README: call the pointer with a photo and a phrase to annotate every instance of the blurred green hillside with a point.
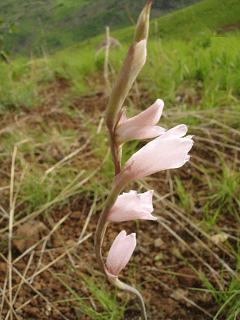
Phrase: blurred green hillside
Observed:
(192, 52)
(62, 23)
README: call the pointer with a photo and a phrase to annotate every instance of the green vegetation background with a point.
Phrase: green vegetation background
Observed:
(62, 23)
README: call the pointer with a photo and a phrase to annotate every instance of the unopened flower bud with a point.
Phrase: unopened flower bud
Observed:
(142, 27)
(120, 253)
(131, 67)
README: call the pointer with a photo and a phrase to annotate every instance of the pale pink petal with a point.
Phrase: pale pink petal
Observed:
(132, 206)
(148, 117)
(146, 200)
(120, 252)
(123, 117)
(141, 126)
(165, 152)
(176, 132)
(141, 133)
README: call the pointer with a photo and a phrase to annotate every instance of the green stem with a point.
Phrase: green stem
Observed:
(102, 222)
(121, 285)
(114, 152)
(111, 199)
(140, 299)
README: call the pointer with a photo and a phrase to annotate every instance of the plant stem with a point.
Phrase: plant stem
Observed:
(126, 287)
(114, 152)
(111, 199)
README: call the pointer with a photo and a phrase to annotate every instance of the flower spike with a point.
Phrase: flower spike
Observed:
(168, 150)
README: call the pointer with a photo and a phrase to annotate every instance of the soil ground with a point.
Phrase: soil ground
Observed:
(167, 282)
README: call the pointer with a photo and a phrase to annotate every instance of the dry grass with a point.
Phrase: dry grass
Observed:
(215, 138)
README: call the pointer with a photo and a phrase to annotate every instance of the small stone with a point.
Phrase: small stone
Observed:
(79, 314)
(17, 305)
(158, 243)
(70, 242)
(48, 307)
(28, 234)
(171, 305)
(46, 291)
(34, 302)
(158, 264)
(55, 314)
(76, 214)
(33, 311)
(187, 280)
(3, 268)
(178, 294)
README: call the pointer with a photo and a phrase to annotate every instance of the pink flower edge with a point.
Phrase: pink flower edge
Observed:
(132, 206)
(141, 126)
(120, 252)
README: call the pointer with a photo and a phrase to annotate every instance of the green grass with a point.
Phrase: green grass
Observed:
(206, 67)
(41, 151)
(225, 191)
(24, 80)
(204, 71)
(228, 301)
(185, 23)
(184, 197)
(107, 305)
(63, 23)
(194, 70)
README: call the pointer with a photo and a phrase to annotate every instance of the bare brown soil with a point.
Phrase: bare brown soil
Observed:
(228, 28)
(168, 284)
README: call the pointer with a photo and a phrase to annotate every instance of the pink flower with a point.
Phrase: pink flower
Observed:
(131, 206)
(168, 151)
(120, 253)
(141, 126)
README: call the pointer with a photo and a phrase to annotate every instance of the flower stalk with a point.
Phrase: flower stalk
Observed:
(168, 150)
(101, 227)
